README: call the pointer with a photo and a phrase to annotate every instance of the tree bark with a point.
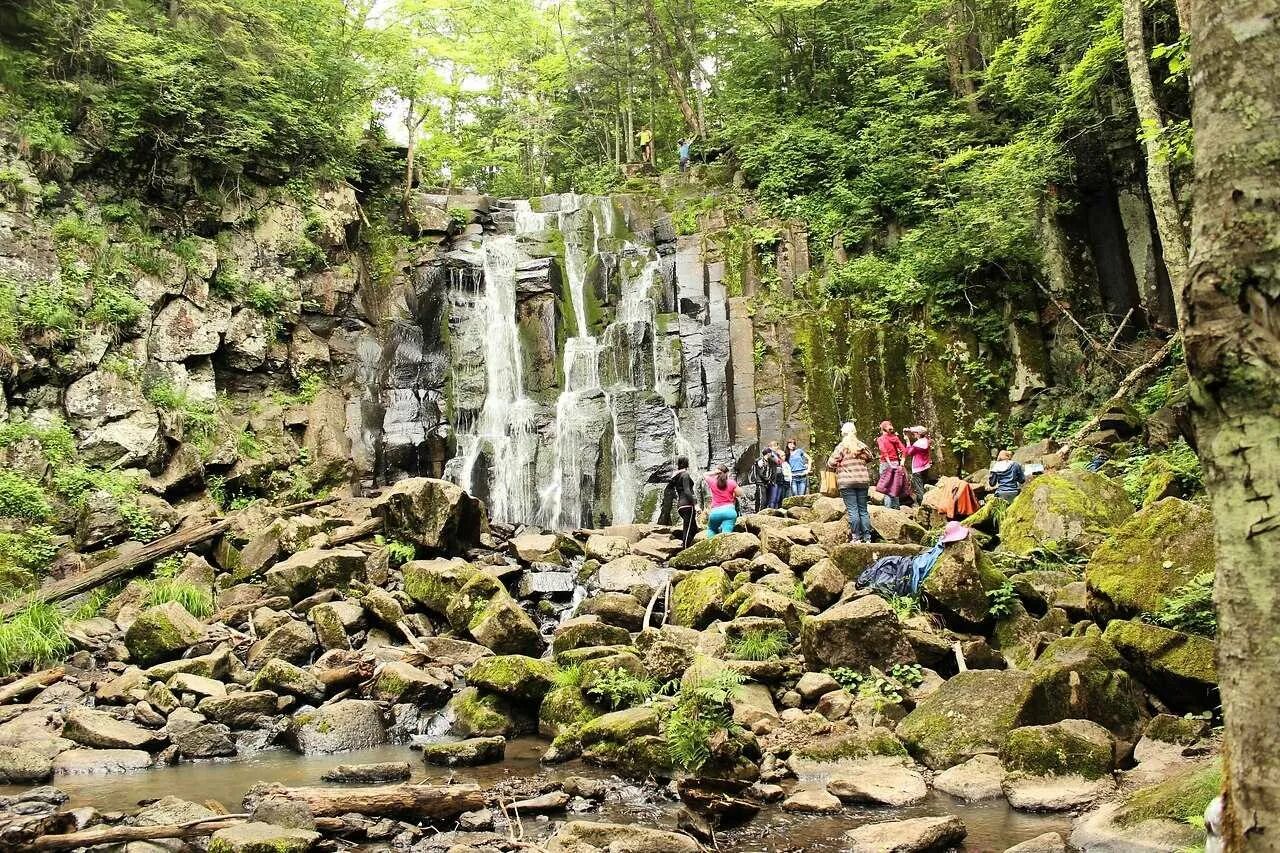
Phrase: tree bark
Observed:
(1232, 342)
(85, 581)
(436, 802)
(1173, 237)
(670, 69)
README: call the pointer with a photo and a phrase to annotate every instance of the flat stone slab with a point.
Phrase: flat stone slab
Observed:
(77, 761)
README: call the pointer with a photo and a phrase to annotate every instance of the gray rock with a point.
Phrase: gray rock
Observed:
(314, 569)
(162, 632)
(591, 837)
(432, 514)
(87, 761)
(338, 727)
(1029, 792)
(196, 737)
(293, 642)
(257, 837)
(240, 710)
(181, 330)
(979, 778)
(21, 767)
(879, 781)
(917, 835)
(465, 753)
(387, 771)
(812, 800)
(101, 730)
(286, 678)
(858, 634)
(1050, 842)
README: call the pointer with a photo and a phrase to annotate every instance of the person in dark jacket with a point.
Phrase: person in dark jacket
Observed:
(1006, 476)
(680, 492)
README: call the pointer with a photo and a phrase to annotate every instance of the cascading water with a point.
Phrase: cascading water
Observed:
(504, 428)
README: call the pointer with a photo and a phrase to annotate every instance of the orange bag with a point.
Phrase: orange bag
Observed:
(830, 488)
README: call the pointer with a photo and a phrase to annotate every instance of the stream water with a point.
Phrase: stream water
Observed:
(993, 826)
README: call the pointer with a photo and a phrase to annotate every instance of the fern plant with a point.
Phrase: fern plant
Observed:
(1189, 608)
(1001, 601)
(702, 709)
(618, 688)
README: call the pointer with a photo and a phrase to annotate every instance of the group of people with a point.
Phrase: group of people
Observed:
(899, 467)
(779, 473)
(645, 139)
(901, 470)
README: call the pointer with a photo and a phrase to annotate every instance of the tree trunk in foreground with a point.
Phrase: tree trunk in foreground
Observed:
(1173, 237)
(1232, 342)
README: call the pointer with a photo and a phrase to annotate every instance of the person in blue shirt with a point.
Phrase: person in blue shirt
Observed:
(800, 465)
(685, 144)
(1006, 477)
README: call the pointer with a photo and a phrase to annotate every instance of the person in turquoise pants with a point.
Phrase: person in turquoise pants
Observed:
(724, 501)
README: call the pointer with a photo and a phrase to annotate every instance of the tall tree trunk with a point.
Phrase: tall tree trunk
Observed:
(1183, 10)
(1173, 237)
(957, 58)
(670, 69)
(1232, 342)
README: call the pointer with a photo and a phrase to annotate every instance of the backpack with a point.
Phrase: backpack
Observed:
(760, 473)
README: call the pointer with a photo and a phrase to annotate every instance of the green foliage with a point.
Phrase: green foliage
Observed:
(1001, 601)
(569, 676)
(33, 637)
(399, 552)
(1189, 608)
(74, 483)
(197, 600)
(702, 710)
(846, 677)
(760, 645)
(618, 688)
(56, 442)
(907, 674)
(905, 606)
(21, 497)
(31, 548)
(95, 601)
(459, 217)
(1140, 471)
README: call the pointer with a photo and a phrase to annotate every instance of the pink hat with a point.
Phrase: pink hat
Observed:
(954, 532)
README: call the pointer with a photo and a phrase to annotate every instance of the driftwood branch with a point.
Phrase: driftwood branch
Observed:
(433, 802)
(347, 535)
(84, 581)
(1126, 387)
(125, 834)
(30, 684)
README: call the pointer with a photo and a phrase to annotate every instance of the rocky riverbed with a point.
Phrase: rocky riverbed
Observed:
(395, 671)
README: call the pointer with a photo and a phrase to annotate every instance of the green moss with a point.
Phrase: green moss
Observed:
(1156, 551)
(970, 713)
(857, 744)
(700, 597)
(518, 676)
(1056, 750)
(1075, 507)
(1085, 678)
(434, 584)
(640, 756)
(564, 709)
(1153, 649)
(478, 714)
(1182, 798)
(581, 635)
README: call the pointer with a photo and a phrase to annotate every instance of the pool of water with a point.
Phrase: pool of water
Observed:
(992, 825)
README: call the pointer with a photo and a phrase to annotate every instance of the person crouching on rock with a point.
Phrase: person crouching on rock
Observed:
(1006, 476)
(724, 501)
(851, 461)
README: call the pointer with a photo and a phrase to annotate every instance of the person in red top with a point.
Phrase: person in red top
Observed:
(892, 452)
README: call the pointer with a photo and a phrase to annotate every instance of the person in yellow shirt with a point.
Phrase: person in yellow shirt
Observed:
(645, 138)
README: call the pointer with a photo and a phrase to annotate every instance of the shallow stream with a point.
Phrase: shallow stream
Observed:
(993, 826)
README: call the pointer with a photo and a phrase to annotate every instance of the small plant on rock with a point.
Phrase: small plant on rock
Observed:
(1189, 608)
(34, 637)
(760, 645)
(398, 552)
(849, 679)
(701, 711)
(907, 674)
(618, 688)
(1001, 600)
(196, 599)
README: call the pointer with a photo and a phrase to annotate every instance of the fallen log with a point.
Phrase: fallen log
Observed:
(409, 802)
(179, 540)
(354, 533)
(30, 684)
(125, 834)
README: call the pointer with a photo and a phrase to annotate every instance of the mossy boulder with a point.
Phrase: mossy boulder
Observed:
(469, 752)
(854, 744)
(861, 633)
(987, 518)
(642, 756)
(259, 837)
(162, 633)
(435, 583)
(485, 609)
(477, 714)
(699, 599)
(1182, 797)
(314, 569)
(586, 632)
(597, 669)
(970, 714)
(562, 709)
(432, 514)
(1153, 553)
(854, 558)
(1179, 667)
(400, 681)
(338, 727)
(960, 581)
(1085, 678)
(1038, 586)
(1068, 748)
(1075, 508)
(1158, 817)
(716, 551)
(621, 726)
(519, 677)
(283, 677)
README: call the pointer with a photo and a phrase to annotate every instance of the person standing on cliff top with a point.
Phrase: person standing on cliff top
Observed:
(645, 138)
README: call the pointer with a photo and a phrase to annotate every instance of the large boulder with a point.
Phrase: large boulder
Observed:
(259, 837)
(281, 676)
(1179, 667)
(495, 620)
(519, 677)
(432, 514)
(854, 558)
(477, 714)
(960, 581)
(400, 681)
(716, 551)
(469, 752)
(970, 714)
(1071, 747)
(103, 731)
(699, 599)
(1073, 508)
(162, 632)
(338, 727)
(291, 641)
(23, 767)
(1154, 552)
(581, 836)
(314, 569)
(435, 583)
(1084, 678)
(916, 835)
(861, 633)
(627, 572)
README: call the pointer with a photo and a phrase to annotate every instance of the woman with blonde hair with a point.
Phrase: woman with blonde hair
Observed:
(851, 461)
